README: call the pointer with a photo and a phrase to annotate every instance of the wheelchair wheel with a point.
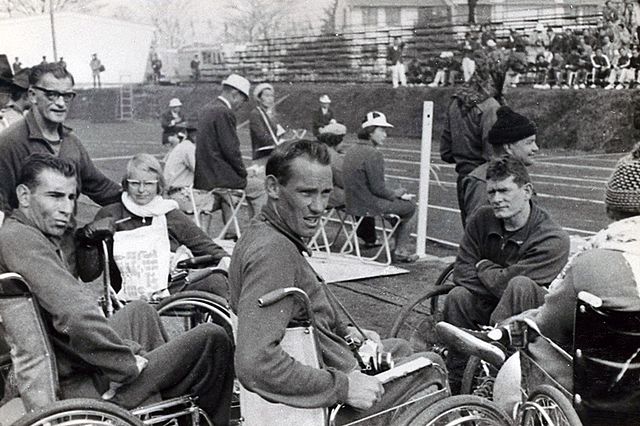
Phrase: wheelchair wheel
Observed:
(416, 320)
(462, 410)
(184, 310)
(79, 411)
(478, 378)
(547, 406)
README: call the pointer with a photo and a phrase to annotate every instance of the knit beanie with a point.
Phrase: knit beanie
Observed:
(510, 127)
(623, 187)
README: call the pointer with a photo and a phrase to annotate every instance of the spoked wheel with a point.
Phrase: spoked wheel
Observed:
(478, 378)
(416, 321)
(185, 310)
(467, 410)
(547, 406)
(80, 411)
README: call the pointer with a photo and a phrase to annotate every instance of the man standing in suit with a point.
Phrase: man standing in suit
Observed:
(394, 55)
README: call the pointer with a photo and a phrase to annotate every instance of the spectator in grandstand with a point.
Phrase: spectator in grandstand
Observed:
(150, 227)
(126, 354)
(608, 49)
(550, 38)
(619, 75)
(600, 68)
(557, 69)
(219, 161)
(156, 67)
(574, 67)
(610, 12)
(18, 104)
(195, 68)
(170, 119)
(623, 36)
(366, 193)
(538, 35)
(513, 135)
(486, 33)
(569, 41)
(634, 67)
(470, 115)
(298, 185)
(17, 65)
(605, 267)
(510, 253)
(322, 116)
(96, 68)
(44, 60)
(394, 57)
(43, 130)
(442, 64)
(264, 124)
(468, 64)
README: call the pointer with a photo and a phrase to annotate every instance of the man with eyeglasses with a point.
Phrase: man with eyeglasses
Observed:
(43, 130)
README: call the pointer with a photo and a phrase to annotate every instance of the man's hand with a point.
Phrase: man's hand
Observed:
(99, 229)
(399, 192)
(364, 391)
(141, 363)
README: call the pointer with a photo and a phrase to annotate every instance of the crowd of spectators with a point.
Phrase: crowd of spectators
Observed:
(606, 54)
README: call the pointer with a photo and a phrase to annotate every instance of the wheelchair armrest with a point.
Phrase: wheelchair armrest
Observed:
(204, 261)
(13, 285)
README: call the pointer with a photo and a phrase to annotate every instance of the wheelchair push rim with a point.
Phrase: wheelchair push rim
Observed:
(79, 411)
(463, 410)
(547, 406)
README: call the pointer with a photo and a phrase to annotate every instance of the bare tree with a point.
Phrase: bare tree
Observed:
(254, 19)
(329, 21)
(170, 20)
(38, 7)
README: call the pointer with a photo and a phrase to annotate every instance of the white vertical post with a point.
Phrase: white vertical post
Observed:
(425, 169)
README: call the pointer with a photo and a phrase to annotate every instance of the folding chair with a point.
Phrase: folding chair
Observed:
(233, 197)
(352, 243)
(329, 213)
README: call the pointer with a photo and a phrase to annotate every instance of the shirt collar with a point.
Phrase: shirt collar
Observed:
(225, 101)
(496, 227)
(34, 129)
(270, 215)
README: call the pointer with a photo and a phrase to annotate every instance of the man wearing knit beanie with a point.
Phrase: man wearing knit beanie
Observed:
(512, 134)
(609, 268)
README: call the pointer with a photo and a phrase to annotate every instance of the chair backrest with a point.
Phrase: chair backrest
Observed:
(606, 364)
(299, 341)
(32, 356)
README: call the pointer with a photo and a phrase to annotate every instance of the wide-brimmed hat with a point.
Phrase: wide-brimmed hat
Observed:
(377, 119)
(239, 83)
(623, 187)
(324, 99)
(6, 75)
(21, 79)
(257, 91)
(175, 102)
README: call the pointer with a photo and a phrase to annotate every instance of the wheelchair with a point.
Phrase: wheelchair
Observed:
(34, 367)
(606, 373)
(300, 341)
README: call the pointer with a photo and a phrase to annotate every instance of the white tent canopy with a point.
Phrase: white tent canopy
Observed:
(123, 47)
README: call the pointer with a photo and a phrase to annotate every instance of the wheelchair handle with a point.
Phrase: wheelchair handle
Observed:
(280, 293)
(204, 261)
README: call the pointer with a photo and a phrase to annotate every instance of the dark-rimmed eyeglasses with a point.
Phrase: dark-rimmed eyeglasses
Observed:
(146, 184)
(54, 95)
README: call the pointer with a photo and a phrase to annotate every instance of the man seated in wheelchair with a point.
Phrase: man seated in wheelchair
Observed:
(607, 267)
(510, 252)
(270, 256)
(150, 235)
(127, 352)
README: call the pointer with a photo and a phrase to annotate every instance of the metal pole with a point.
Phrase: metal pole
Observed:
(53, 32)
(425, 169)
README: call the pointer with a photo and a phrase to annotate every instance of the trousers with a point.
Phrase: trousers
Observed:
(198, 362)
(465, 309)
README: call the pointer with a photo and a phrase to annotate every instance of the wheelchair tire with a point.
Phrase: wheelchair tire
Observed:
(547, 406)
(416, 320)
(79, 411)
(445, 278)
(478, 378)
(192, 308)
(462, 409)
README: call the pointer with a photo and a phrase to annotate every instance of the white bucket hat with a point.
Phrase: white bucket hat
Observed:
(175, 102)
(324, 99)
(238, 82)
(377, 119)
(257, 91)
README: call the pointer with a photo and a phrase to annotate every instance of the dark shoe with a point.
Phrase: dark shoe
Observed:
(231, 237)
(405, 258)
